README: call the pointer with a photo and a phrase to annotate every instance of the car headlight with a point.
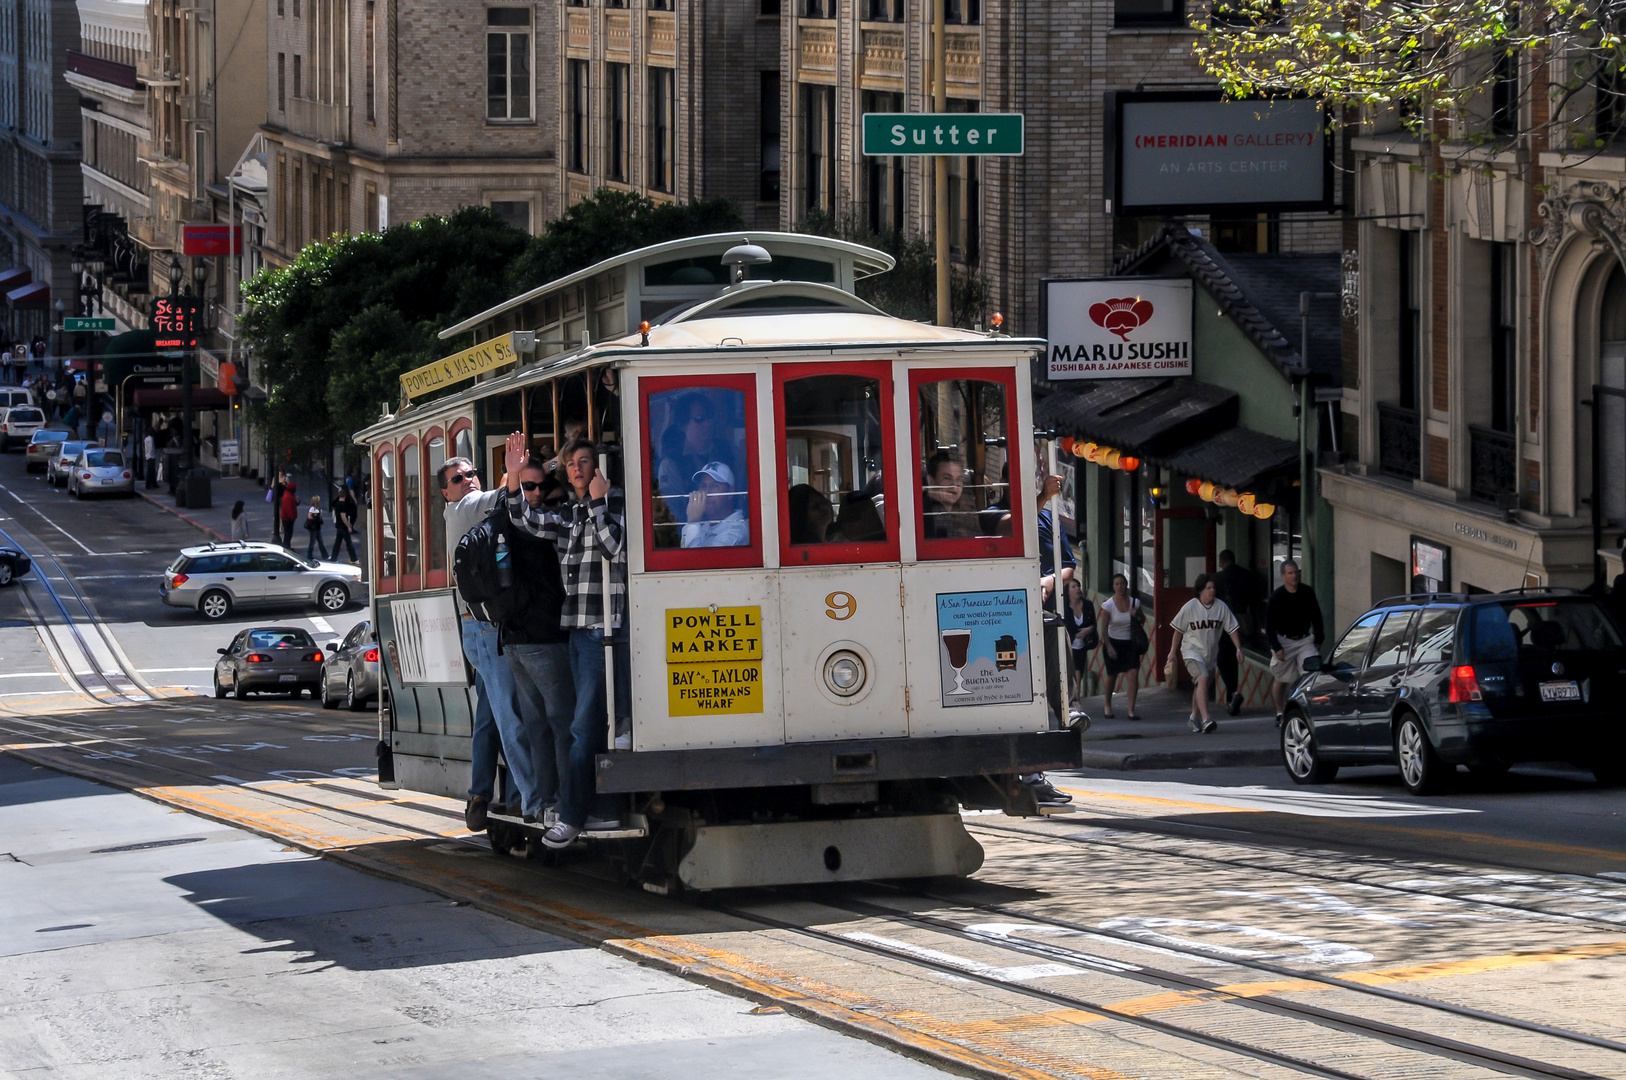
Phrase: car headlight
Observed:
(845, 673)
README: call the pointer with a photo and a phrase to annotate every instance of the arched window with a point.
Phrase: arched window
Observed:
(435, 556)
(411, 515)
(384, 542)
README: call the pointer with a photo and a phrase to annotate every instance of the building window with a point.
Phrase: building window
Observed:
(884, 11)
(280, 12)
(515, 213)
(662, 125)
(282, 82)
(819, 9)
(1609, 103)
(370, 59)
(961, 12)
(615, 121)
(508, 63)
(884, 190)
(1149, 12)
(1504, 341)
(1504, 120)
(1411, 316)
(819, 151)
(370, 195)
(768, 101)
(297, 73)
(578, 116)
(768, 7)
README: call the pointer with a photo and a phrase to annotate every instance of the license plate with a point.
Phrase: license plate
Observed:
(1561, 691)
(287, 678)
(107, 481)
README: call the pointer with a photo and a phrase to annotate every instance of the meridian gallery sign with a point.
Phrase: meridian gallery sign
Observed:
(1118, 328)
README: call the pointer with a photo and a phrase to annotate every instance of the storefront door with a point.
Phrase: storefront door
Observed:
(1184, 542)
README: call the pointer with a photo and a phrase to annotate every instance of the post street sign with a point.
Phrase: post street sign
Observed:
(952, 134)
(486, 356)
(70, 326)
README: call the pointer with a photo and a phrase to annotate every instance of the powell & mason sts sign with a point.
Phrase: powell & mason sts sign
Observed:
(1118, 328)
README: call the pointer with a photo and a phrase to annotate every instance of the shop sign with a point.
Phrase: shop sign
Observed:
(982, 652)
(713, 661)
(484, 357)
(211, 239)
(1430, 566)
(228, 452)
(1191, 152)
(428, 642)
(1117, 328)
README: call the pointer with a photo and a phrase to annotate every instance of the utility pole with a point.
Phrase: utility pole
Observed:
(939, 162)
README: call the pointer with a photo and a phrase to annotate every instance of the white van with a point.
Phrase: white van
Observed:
(15, 395)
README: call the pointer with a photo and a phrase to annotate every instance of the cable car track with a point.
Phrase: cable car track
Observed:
(100, 670)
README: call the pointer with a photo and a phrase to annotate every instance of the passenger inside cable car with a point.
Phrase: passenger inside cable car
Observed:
(948, 514)
(716, 518)
(834, 459)
(699, 438)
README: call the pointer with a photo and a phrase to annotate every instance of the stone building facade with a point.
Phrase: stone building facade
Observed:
(39, 162)
(379, 112)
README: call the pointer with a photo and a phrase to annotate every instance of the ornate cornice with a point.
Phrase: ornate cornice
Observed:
(1592, 208)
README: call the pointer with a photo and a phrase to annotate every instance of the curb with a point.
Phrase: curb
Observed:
(1130, 761)
(189, 519)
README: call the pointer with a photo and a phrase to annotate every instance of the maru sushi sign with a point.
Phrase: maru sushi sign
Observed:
(1115, 328)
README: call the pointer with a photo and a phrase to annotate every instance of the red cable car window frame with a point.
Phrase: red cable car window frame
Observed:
(409, 582)
(849, 553)
(660, 560)
(434, 579)
(383, 583)
(980, 547)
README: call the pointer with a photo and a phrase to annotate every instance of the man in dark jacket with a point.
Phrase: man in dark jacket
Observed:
(537, 647)
(1293, 630)
(1234, 585)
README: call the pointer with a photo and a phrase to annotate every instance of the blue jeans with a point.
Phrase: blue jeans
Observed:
(544, 670)
(315, 543)
(589, 728)
(494, 682)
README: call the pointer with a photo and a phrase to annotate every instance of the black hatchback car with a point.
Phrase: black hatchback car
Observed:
(1432, 681)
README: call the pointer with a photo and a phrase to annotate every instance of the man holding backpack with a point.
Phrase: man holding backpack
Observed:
(497, 714)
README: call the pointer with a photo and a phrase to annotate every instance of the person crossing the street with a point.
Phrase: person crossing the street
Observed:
(1293, 630)
(1199, 628)
(344, 524)
(313, 527)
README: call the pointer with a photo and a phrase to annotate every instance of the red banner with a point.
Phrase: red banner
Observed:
(211, 240)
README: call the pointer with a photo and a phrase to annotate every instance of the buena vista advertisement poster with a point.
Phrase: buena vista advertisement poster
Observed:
(982, 648)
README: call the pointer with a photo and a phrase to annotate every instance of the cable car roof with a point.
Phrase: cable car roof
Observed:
(853, 263)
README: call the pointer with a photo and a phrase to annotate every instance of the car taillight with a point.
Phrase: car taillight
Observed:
(177, 581)
(370, 656)
(1464, 685)
(258, 658)
(127, 476)
(316, 656)
(84, 476)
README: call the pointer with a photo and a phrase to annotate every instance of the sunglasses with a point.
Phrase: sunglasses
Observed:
(457, 478)
(530, 485)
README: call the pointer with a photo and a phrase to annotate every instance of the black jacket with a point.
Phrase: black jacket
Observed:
(536, 570)
(1293, 615)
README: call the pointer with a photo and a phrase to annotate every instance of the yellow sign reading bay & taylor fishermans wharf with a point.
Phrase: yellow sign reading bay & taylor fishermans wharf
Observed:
(713, 660)
(484, 357)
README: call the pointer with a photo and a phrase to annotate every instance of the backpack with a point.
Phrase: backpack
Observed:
(475, 564)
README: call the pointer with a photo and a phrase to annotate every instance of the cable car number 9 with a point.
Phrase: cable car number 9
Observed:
(840, 606)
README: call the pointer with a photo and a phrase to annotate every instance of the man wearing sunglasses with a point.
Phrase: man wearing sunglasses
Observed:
(498, 712)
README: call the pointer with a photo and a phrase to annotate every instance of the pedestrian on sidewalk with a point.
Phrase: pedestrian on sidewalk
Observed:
(1198, 630)
(1294, 631)
(288, 511)
(1124, 642)
(274, 497)
(239, 522)
(149, 461)
(1234, 585)
(313, 526)
(344, 524)
(1081, 632)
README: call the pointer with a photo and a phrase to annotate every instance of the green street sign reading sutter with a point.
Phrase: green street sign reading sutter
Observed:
(71, 325)
(951, 134)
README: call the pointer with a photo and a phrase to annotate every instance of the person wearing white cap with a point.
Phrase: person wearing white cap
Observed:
(715, 519)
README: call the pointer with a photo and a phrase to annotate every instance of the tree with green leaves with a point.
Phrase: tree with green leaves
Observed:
(1460, 69)
(909, 290)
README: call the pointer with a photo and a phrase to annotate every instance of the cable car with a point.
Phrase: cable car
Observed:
(832, 572)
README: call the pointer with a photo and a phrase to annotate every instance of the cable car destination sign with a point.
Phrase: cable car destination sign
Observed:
(484, 357)
(949, 134)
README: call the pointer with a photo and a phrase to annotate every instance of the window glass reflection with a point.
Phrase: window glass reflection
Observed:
(834, 460)
(700, 494)
(386, 514)
(964, 460)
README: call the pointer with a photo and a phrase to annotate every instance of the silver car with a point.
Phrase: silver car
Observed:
(44, 445)
(215, 578)
(60, 463)
(350, 669)
(98, 471)
(268, 659)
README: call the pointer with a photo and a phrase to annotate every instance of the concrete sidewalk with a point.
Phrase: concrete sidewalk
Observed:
(214, 520)
(1161, 739)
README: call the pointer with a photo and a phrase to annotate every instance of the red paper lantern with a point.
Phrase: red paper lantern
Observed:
(1130, 464)
(1192, 485)
(1067, 444)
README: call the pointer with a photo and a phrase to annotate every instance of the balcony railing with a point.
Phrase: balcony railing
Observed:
(1399, 442)
(1492, 463)
(108, 71)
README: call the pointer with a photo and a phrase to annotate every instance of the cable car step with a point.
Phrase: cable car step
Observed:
(635, 827)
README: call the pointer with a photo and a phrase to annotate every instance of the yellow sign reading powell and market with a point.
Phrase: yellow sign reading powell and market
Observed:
(713, 660)
(486, 356)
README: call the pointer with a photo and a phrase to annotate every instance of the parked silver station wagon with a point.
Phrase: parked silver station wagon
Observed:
(215, 578)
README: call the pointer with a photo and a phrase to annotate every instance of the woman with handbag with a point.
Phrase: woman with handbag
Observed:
(313, 525)
(1123, 636)
(1080, 615)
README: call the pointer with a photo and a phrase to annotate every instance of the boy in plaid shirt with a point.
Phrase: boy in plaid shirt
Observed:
(590, 526)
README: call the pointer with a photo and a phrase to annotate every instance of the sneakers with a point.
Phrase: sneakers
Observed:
(1194, 724)
(560, 836)
(474, 814)
(602, 824)
(1210, 726)
(1278, 721)
(1045, 792)
(624, 742)
(1234, 706)
(550, 818)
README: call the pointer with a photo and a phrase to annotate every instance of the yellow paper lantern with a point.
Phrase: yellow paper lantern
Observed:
(1227, 497)
(1111, 459)
(1089, 451)
(1079, 446)
(1263, 511)
(1206, 492)
(1246, 503)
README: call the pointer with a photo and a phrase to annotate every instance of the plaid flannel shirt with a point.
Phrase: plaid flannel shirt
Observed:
(583, 532)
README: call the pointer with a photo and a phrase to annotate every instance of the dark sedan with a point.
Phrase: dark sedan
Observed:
(1430, 682)
(269, 659)
(13, 564)
(350, 671)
